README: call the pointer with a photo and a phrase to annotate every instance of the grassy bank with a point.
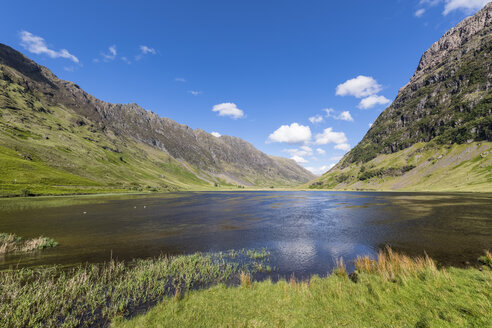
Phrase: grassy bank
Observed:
(92, 295)
(393, 291)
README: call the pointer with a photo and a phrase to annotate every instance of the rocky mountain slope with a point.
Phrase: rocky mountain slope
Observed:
(446, 107)
(56, 138)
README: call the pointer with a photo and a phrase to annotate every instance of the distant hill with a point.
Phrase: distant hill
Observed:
(55, 138)
(436, 134)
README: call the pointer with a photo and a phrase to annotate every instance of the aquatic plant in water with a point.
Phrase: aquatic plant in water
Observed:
(11, 243)
(93, 294)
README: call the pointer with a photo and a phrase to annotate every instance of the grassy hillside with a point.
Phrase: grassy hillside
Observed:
(57, 139)
(421, 167)
(51, 150)
(437, 133)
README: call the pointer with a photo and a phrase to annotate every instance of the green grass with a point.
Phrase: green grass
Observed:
(94, 294)
(421, 167)
(45, 152)
(393, 291)
(257, 254)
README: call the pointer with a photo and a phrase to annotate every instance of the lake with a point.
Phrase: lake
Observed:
(305, 231)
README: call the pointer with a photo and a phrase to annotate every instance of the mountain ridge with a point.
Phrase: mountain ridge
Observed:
(32, 94)
(447, 101)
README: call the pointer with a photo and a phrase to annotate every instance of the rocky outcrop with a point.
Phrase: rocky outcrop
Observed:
(455, 38)
(448, 99)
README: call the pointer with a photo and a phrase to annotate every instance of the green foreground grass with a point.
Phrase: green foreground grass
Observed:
(393, 291)
(92, 295)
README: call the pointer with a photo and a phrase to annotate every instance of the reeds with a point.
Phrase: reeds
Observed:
(245, 279)
(486, 259)
(390, 264)
(93, 294)
(10, 243)
(340, 269)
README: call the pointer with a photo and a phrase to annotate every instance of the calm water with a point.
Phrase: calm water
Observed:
(305, 231)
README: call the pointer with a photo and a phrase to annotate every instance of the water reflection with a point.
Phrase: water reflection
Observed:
(303, 251)
(305, 231)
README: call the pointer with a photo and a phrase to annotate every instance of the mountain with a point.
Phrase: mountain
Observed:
(55, 138)
(436, 134)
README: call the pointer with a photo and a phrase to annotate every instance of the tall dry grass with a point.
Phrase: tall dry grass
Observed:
(390, 264)
(8, 243)
(486, 259)
(11, 243)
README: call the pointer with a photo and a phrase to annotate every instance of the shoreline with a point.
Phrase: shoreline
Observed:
(141, 292)
(242, 190)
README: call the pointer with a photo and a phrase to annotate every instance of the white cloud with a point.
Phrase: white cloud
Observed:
(37, 45)
(307, 148)
(329, 136)
(319, 170)
(372, 101)
(112, 50)
(215, 134)
(316, 119)
(345, 116)
(195, 92)
(420, 12)
(301, 151)
(469, 6)
(329, 112)
(111, 54)
(294, 133)
(145, 50)
(336, 158)
(299, 159)
(180, 79)
(359, 87)
(429, 2)
(320, 151)
(343, 146)
(228, 109)
(126, 60)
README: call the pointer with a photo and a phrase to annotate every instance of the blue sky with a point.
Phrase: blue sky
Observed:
(301, 79)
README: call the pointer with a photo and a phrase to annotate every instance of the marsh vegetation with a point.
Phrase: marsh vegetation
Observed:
(219, 289)
(93, 294)
(11, 243)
